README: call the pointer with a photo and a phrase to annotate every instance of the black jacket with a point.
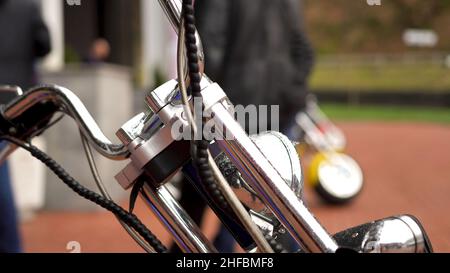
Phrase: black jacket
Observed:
(23, 38)
(256, 50)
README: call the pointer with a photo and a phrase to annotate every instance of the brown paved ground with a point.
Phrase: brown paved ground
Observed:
(407, 170)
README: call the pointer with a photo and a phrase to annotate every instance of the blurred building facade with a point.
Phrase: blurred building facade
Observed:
(138, 32)
(142, 47)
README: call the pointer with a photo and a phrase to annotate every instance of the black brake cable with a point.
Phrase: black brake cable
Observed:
(128, 218)
(200, 151)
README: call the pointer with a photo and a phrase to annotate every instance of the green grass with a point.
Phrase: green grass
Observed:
(387, 113)
(390, 77)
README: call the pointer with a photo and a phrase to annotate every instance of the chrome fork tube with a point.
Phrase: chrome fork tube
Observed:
(172, 9)
(185, 232)
(264, 179)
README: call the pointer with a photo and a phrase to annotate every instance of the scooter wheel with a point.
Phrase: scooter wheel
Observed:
(336, 177)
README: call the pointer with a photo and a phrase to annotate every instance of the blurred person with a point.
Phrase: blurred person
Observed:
(25, 38)
(99, 51)
(257, 51)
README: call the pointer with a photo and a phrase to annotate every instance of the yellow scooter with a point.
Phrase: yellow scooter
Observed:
(335, 176)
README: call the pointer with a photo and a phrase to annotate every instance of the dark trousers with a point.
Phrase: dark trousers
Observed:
(9, 231)
(194, 204)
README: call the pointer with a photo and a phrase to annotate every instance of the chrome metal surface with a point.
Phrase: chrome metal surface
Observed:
(232, 199)
(131, 129)
(146, 136)
(144, 151)
(172, 9)
(395, 235)
(16, 90)
(168, 94)
(417, 231)
(161, 96)
(70, 104)
(241, 212)
(262, 222)
(313, 135)
(128, 176)
(265, 179)
(398, 234)
(281, 153)
(185, 232)
(332, 134)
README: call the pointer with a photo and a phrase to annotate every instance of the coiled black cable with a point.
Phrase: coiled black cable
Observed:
(200, 151)
(128, 218)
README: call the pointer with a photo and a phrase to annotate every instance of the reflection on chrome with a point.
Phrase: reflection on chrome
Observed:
(70, 104)
(399, 234)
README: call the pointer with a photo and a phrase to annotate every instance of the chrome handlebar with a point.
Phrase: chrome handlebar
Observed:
(68, 103)
(248, 158)
(172, 9)
(71, 105)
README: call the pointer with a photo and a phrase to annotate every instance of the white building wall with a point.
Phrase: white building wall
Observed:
(159, 42)
(53, 13)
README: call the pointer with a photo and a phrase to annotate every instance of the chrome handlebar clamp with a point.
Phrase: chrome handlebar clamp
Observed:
(256, 169)
(156, 155)
(155, 148)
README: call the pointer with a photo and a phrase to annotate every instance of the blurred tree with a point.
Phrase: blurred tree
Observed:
(416, 13)
(341, 26)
